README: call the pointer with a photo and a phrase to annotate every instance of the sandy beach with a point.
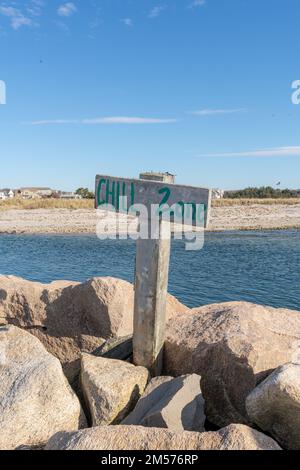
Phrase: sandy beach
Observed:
(233, 217)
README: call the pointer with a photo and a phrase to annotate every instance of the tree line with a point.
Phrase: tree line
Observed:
(263, 192)
(85, 193)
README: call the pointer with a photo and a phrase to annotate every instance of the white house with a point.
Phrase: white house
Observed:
(218, 193)
(69, 195)
(6, 194)
(36, 193)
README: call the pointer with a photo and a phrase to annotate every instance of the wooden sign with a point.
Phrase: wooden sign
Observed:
(181, 198)
(153, 255)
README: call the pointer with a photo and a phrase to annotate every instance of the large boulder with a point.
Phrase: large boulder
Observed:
(111, 388)
(233, 346)
(274, 405)
(69, 317)
(176, 404)
(113, 438)
(36, 399)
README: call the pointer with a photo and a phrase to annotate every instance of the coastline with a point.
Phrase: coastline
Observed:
(83, 221)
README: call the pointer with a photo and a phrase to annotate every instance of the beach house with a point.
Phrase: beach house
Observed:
(6, 194)
(218, 193)
(35, 193)
(68, 195)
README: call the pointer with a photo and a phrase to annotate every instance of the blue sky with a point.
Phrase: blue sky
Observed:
(198, 88)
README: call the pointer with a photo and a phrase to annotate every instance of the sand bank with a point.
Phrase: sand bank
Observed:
(234, 217)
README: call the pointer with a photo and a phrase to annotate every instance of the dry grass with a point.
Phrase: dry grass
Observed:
(250, 202)
(72, 204)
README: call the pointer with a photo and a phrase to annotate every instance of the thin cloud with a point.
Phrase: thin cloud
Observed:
(18, 21)
(105, 120)
(156, 11)
(63, 26)
(53, 121)
(127, 120)
(67, 9)
(215, 112)
(271, 152)
(17, 18)
(9, 11)
(35, 7)
(197, 3)
(127, 22)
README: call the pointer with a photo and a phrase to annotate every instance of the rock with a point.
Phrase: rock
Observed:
(36, 399)
(233, 347)
(176, 404)
(69, 317)
(274, 405)
(113, 438)
(111, 388)
(174, 307)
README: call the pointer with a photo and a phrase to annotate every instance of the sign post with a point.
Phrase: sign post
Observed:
(152, 253)
(151, 286)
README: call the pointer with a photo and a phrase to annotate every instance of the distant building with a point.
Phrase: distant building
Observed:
(68, 195)
(218, 193)
(6, 194)
(297, 193)
(35, 193)
(157, 176)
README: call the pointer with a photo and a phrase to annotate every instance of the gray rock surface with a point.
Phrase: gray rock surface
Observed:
(234, 437)
(176, 404)
(274, 405)
(111, 388)
(36, 399)
(233, 347)
(69, 317)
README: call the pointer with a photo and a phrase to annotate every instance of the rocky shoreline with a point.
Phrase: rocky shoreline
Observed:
(231, 373)
(67, 221)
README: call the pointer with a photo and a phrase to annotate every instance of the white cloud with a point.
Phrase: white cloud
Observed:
(67, 9)
(127, 22)
(214, 112)
(197, 3)
(127, 120)
(18, 21)
(9, 11)
(17, 18)
(156, 11)
(54, 121)
(63, 26)
(105, 120)
(35, 7)
(271, 152)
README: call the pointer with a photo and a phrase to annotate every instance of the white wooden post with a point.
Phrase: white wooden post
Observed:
(151, 286)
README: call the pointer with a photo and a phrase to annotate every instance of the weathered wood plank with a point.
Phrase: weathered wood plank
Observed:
(109, 190)
(151, 284)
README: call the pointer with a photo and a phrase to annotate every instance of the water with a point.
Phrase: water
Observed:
(260, 267)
